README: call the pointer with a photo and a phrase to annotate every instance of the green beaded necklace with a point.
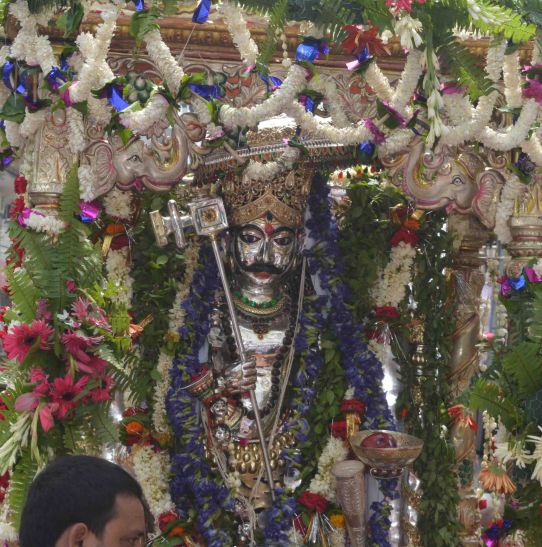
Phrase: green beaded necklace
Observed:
(254, 304)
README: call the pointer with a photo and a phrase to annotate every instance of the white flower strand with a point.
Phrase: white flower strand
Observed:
(512, 190)
(512, 80)
(238, 29)
(28, 45)
(50, 225)
(323, 482)
(328, 88)
(32, 123)
(390, 289)
(257, 171)
(76, 128)
(141, 121)
(161, 56)
(533, 148)
(152, 470)
(117, 264)
(515, 134)
(176, 321)
(95, 71)
(13, 133)
(276, 104)
(379, 82)
(408, 30)
(408, 82)
(86, 178)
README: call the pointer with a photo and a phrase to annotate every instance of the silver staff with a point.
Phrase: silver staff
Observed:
(208, 218)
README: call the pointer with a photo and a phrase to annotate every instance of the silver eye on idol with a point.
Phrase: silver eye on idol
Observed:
(264, 250)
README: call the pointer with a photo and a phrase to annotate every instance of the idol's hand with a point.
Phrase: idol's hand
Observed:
(242, 376)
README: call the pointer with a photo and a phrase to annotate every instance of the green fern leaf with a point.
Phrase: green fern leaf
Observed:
(23, 292)
(22, 475)
(524, 364)
(488, 396)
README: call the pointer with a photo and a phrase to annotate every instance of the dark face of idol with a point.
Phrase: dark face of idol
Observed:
(264, 250)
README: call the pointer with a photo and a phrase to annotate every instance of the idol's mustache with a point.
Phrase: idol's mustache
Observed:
(262, 268)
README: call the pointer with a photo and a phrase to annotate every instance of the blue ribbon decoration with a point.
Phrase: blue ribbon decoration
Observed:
(55, 78)
(201, 13)
(517, 283)
(139, 5)
(7, 160)
(310, 50)
(114, 97)
(64, 65)
(270, 81)
(7, 71)
(207, 91)
(367, 148)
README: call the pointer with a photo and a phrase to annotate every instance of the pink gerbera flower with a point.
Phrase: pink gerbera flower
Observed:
(22, 338)
(64, 392)
(103, 390)
(80, 308)
(77, 343)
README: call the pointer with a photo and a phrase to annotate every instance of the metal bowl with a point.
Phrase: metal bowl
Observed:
(386, 463)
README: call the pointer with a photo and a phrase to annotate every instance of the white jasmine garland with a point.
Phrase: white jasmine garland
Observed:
(86, 177)
(32, 123)
(141, 120)
(395, 142)
(513, 189)
(380, 83)
(99, 111)
(390, 288)
(257, 171)
(161, 56)
(76, 128)
(408, 30)
(93, 72)
(118, 204)
(28, 45)
(48, 224)
(457, 107)
(118, 272)
(408, 81)
(238, 28)
(323, 482)
(276, 104)
(328, 88)
(515, 134)
(533, 148)
(152, 470)
(512, 80)
(13, 134)
(176, 321)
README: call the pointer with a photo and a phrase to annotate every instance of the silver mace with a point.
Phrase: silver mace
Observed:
(208, 218)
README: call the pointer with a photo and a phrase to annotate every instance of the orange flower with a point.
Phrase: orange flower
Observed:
(337, 521)
(134, 428)
(114, 229)
(411, 224)
(176, 531)
(493, 477)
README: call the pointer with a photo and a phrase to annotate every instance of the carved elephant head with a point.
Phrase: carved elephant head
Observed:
(459, 181)
(158, 162)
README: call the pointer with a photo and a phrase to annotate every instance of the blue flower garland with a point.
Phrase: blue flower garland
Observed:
(363, 370)
(194, 483)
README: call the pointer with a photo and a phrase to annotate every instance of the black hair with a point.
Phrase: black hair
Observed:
(70, 490)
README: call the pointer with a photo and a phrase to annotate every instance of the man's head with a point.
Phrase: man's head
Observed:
(265, 250)
(84, 501)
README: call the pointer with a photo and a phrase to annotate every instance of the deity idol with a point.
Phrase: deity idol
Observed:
(262, 249)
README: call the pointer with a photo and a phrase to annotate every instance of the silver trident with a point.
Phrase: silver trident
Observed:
(208, 218)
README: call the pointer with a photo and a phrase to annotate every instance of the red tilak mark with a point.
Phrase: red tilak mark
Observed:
(269, 230)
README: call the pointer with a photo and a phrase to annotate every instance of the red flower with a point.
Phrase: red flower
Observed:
(338, 429)
(102, 391)
(387, 312)
(482, 504)
(17, 207)
(19, 184)
(4, 483)
(133, 410)
(76, 344)
(64, 391)
(313, 501)
(3, 406)
(358, 39)
(404, 235)
(22, 338)
(119, 242)
(352, 405)
(166, 519)
(70, 285)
